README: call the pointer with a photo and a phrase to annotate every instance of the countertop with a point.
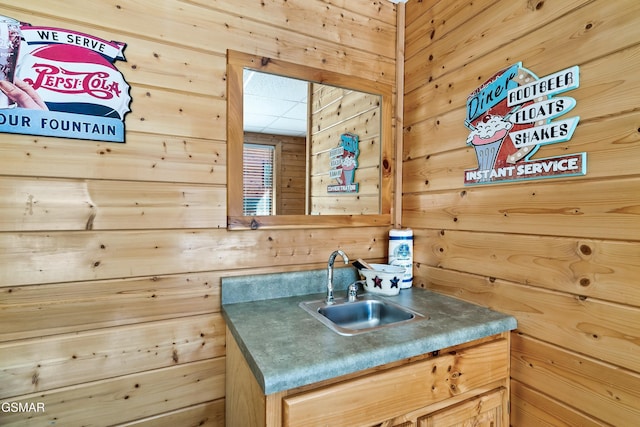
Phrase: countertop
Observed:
(286, 348)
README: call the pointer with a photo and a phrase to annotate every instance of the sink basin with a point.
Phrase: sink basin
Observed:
(366, 314)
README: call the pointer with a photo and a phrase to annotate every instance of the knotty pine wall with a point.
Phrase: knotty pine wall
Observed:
(335, 111)
(561, 255)
(112, 253)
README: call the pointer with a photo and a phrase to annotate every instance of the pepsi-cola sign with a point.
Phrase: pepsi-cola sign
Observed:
(64, 84)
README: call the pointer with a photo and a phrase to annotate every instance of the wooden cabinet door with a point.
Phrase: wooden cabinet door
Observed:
(389, 394)
(489, 410)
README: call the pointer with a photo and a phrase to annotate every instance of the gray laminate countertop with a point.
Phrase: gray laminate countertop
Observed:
(286, 348)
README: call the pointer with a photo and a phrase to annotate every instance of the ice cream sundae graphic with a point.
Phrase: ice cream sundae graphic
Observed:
(349, 165)
(511, 115)
(490, 120)
(487, 138)
(343, 164)
(9, 51)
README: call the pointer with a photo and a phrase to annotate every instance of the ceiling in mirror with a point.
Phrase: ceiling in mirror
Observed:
(274, 104)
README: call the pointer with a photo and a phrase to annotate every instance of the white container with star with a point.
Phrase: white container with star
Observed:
(383, 279)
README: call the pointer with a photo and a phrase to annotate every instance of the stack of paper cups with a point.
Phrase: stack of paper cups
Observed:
(401, 253)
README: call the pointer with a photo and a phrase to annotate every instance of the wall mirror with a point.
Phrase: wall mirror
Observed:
(306, 147)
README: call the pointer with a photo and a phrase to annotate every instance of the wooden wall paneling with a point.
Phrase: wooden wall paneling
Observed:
(398, 121)
(429, 21)
(366, 126)
(39, 364)
(610, 393)
(558, 32)
(444, 128)
(123, 399)
(575, 386)
(142, 157)
(292, 204)
(362, 205)
(600, 329)
(567, 269)
(43, 310)
(530, 408)
(582, 36)
(365, 201)
(178, 114)
(172, 67)
(599, 269)
(343, 23)
(569, 42)
(323, 97)
(378, 10)
(75, 256)
(71, 256)
(235, 31)
(291, 176)
(553, 208)
(350, 111)
(324, 56)
(210, 414)
(46, 204)
(367, 178)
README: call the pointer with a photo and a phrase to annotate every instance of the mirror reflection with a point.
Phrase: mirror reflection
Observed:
(309, 148)
(318, 149)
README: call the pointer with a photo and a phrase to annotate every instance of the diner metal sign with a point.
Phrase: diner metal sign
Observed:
(343, 164)
(60, 83)
(511, 116)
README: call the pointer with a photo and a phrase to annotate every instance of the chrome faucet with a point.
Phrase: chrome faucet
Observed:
(332, 258)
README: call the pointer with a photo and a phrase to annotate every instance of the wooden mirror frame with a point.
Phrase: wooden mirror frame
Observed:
(237, 62)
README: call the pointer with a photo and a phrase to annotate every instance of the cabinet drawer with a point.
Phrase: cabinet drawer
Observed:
(396, 391)
(482, 411)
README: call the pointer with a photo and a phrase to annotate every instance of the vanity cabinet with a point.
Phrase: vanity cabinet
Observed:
(467, 384)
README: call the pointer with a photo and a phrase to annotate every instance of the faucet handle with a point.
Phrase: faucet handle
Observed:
(352, 291)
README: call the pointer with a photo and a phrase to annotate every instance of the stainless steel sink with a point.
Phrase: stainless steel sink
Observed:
(366, 314)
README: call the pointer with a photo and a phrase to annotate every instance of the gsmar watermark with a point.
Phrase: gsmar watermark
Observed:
(17, 407)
